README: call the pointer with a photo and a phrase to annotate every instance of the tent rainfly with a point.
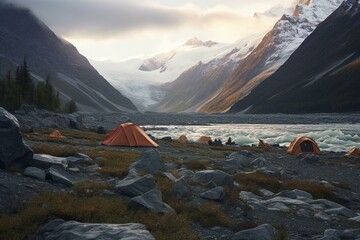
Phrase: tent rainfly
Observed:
(130, 135)
(183, 139)
(303, 145)
(353, 152)
(56, 134)
(204, 140)
(262, 144)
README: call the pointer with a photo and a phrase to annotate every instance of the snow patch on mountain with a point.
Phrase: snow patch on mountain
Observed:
(292, 30)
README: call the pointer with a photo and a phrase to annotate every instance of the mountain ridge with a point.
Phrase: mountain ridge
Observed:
(23, 35)
(329, 84)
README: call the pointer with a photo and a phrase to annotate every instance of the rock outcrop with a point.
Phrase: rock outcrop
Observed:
(13, 151)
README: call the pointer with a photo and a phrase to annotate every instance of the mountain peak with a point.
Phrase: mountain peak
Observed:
(195, 42)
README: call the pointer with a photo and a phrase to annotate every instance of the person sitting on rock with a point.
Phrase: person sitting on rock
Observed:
(229, 142)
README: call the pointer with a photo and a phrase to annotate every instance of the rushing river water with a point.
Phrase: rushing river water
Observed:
(330, 137)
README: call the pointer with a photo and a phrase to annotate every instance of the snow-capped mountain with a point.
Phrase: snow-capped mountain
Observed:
(275, 48)
(321, 76)
(139, 79)
(199, 83)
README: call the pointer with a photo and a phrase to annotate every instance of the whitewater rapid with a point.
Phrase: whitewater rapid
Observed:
(330, 137)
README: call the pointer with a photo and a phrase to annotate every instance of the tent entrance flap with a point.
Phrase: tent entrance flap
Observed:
(307, 146)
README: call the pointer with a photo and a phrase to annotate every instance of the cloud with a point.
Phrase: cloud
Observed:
(112, 18)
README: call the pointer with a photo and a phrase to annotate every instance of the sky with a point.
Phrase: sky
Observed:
(121, 29)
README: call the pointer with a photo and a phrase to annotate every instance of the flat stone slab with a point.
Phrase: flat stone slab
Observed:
(72, 230)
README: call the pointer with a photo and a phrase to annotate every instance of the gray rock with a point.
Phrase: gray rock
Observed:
(238, 161)
(266, 193)
(333, 234)
(263, 232)
(356, 219)
(322, 216)
(286, 201)
(303, 212)
(294, 194)
(181, 188)
(45, 161)
(278, 206)
(134, 185)
(51, 225)
(35, 173)
(73, 230)
(13, 151)
(150, 162)
(216, 194)
(78, 161)
(259, 162)
(218, 177)
(169, 176)
(59, 175)
(343, 211)
(309, 158)
(150, 201)
(186, 173)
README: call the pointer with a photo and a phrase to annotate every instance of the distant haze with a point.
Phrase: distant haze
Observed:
(119, 29)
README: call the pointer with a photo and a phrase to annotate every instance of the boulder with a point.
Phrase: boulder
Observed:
(72, 230)
(45, 161)
(35, 173)
(170, 176)
(342, 211)
(59, 175)
(218, 177)
(238, 161)
(259, 162)
(181, 188)
(134, 185)
(216, 194)
(263, 232)
(333, 234)
(150, 201)
(309, 158)
(13, 151)
(266, 193)
(150, 162)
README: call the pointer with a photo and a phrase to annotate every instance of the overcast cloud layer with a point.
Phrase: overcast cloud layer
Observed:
(86, 22)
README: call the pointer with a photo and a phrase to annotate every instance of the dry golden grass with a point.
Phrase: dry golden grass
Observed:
(210, 215)
(316, 189)
(113, 162)
(253, 182)
(196, 164)
(89, 188)
(55, 150)
(49, 206)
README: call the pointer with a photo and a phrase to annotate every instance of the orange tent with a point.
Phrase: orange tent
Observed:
(183, 139)
(204, 140)
(131, 135)
(353, 152)
(263, 144)
(56, 134)
(303, 145)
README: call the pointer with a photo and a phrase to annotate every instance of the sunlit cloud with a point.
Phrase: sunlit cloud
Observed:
(89, 23)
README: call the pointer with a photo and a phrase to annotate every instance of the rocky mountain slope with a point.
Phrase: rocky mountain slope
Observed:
(321, 76)
(22, 35)
(275, 48)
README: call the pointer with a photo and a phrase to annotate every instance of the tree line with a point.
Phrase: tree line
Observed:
(21, 89)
